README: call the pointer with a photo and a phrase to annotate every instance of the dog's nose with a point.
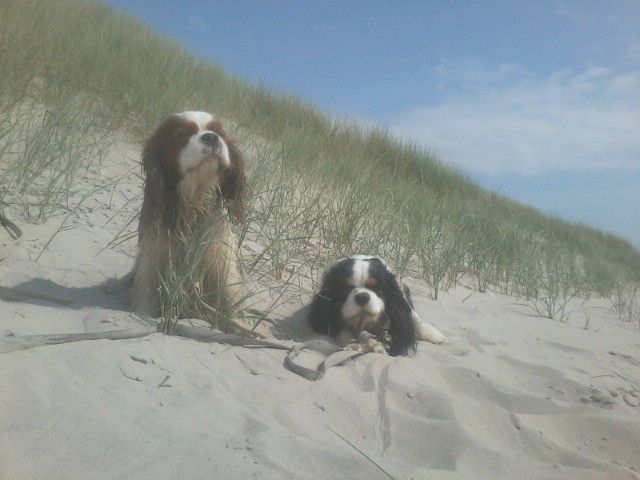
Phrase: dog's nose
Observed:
(210, 139)
(362, 298)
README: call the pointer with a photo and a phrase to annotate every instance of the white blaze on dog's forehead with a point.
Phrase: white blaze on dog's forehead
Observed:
(200, 118)
(360, 271)
(367, 257)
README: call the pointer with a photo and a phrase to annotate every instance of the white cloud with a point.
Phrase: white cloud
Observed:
(505, 119)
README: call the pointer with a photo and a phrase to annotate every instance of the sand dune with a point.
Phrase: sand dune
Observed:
(511, 395)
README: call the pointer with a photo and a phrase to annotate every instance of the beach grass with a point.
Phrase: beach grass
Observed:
(321, 187)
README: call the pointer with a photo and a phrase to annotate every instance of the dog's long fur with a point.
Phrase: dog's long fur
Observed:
(189, 203)
(359, 297)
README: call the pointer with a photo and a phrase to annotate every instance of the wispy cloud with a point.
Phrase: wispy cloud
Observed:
(580, 12)
(504, 119)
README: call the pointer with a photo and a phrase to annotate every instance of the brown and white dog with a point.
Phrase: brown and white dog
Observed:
(195, 186)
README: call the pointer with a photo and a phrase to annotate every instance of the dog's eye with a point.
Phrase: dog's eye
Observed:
(377, 290)
(184, 134)
(344, 291)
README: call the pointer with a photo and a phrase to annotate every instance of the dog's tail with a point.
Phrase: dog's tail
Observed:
(428, 332)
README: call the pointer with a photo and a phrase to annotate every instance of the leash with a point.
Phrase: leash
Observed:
(335, 356)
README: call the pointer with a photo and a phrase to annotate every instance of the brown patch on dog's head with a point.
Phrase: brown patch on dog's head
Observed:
(188, 160)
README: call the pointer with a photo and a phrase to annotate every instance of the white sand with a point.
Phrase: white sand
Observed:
(511, 396)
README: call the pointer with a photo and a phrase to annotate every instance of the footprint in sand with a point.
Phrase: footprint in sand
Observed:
(627, 358)
(551, 383)
(632, 398)
(599, 399)
(470, 383)
(476, 341)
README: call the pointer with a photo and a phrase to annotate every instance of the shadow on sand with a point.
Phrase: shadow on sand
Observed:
(295, 327)
(42, 291)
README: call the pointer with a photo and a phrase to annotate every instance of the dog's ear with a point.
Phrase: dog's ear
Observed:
(407, 294)
(151, 214)
(402, 328)
(233, 184)
(325, 314)
(321, 312)
(161, 178)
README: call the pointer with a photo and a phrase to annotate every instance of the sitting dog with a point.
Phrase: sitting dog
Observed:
(195, 186)
(358, 295)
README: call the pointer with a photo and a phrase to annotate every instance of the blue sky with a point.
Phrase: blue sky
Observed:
(539, 100)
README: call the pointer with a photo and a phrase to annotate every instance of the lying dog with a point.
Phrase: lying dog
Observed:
(195, 186)
(358, 295)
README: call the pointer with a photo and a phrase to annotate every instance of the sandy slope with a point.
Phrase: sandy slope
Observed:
(511, 396)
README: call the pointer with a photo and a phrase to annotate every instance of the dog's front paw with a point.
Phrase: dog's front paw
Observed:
(368, 345)
(377, 347)
(374, 345)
